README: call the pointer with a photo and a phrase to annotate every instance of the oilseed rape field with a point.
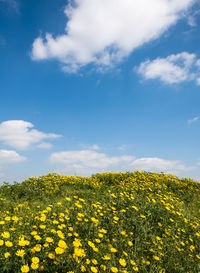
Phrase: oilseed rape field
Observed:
(109, 222)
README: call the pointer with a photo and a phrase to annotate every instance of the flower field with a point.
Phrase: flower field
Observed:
(109, 222)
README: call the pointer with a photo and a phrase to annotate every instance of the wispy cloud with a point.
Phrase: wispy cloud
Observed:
(193, 120)
(104, 32)
(11, 4)
(192, 18)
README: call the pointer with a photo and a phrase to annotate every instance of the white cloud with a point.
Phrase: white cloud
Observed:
(193, 120)
(122, 147)
(90, 147)
(18, 134)
(89, 160)
(103, 32)
(198, 81)
(8, 156)
(44, 145)
(159, 164)
(95, 147)
(192, 18)
(172, 69)
(86, 162)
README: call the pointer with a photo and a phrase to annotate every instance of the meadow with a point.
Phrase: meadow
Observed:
(109, 222)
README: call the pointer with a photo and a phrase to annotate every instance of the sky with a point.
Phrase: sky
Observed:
(89, 86)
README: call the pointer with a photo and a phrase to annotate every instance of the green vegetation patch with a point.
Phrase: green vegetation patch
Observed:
(109, 222)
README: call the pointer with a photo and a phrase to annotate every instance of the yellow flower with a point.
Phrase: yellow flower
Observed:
(114, 269)
(6, 255)
(94, 261)
(60, 234)
(135, 268)
(135, 208)
(122, 262)
(20, 253)
(25, 268)
(34, 266)
(106, 257)
(77, 243)
(5, 235)
(83, 269)
(23, 242)
(37, 237)
(132, 262)
(41, 268)
(130, 243)
(37, 248)
(192, 248)
(49, 239)
(103, 267)
(91, 244)
(51, 256)
(113, 249)
(59, 250)
(94, 269)
(8, 243)
(162, 270)
(15, 218)
(79, 252)
(1, 242)
(156, 258)
(35, 260)
(43, 218)
(62, 244)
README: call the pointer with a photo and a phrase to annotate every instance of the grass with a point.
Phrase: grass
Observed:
(109, 222)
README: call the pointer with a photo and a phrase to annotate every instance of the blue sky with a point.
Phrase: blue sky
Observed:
(99, 85)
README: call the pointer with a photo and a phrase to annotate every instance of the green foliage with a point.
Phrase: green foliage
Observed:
(109, 222)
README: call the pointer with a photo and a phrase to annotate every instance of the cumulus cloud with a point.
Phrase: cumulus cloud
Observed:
(8, 156)
(159, 164)
(193, 120)
(172, 69)
(20, 135)
(90, 161)
(104, 32)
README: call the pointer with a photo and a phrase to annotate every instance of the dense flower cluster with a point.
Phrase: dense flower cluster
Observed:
(110, 222)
